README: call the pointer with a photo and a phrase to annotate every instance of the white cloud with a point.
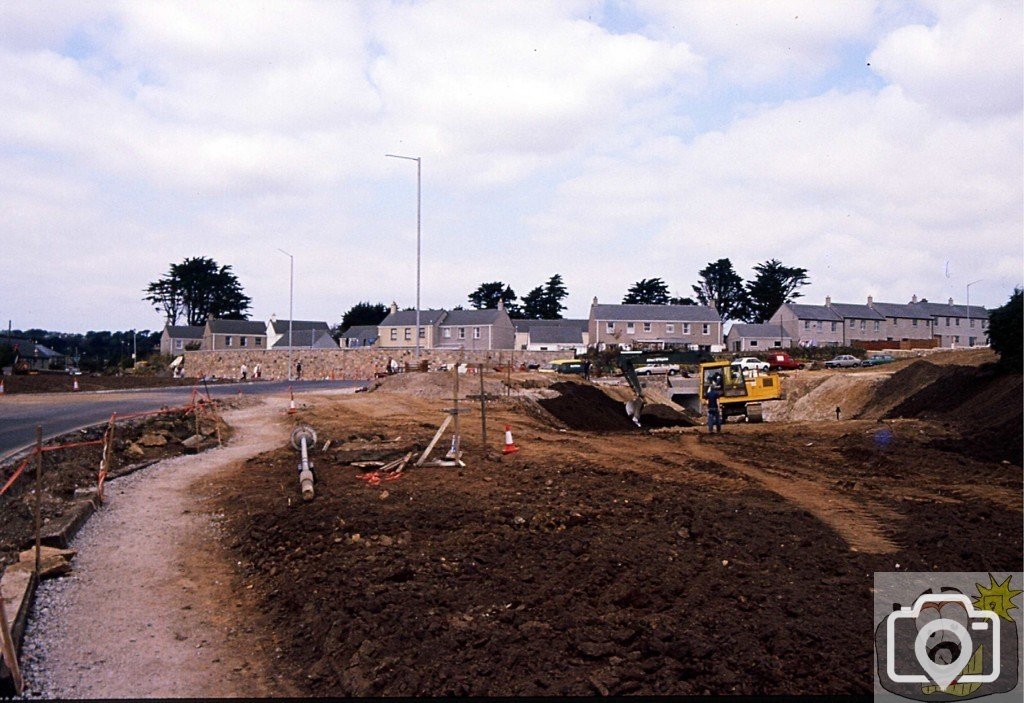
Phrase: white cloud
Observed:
(968, 63)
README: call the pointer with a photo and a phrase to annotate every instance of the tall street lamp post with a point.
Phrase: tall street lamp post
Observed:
(970, 341)
(418, 191)
(291, 300)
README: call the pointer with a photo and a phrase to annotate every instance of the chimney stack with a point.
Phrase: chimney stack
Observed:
(871, 302)
(501, 304)
(394, 307)
(913, 298)
(950, 301)
(595, 300)
(828, 301)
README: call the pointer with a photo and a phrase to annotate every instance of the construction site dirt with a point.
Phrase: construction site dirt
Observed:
(606, 559)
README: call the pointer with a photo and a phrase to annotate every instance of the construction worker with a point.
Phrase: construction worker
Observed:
(714, 409)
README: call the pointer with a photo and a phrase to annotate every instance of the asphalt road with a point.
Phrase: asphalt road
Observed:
(59, 413)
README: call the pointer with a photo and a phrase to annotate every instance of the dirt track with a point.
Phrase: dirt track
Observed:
(617, 562)
(151, 609)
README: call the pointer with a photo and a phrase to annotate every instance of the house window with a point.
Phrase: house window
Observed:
(462, 333)
(863, 325)
(227, 341)
(259, 341)
(394, 334)
(853, 324)
(178, 344)
(647, 327)
(972, 323)
(609, 327)
(686, 328)
(777, 343)
(447, 334)
(705, 328)
(243, 341)
(956, 339)
(957, 322)
(807, 324)
(833, 327)
(476, 333)
(670, 328)
(753, 343)
(947, 322)
(408, 333)
(914, 323)
(878, 326)
(630, 328)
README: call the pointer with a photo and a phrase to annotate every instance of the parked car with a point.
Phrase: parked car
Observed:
(842, 361)
(657, 369)
(749, 363)
(783, 361)
(564, 366)
(876, 359)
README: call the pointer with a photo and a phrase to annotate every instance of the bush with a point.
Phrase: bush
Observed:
(1006, 332)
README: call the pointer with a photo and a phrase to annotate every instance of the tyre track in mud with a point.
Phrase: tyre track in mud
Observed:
(857, 524)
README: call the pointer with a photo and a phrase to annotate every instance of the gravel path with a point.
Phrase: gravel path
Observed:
(149, 610)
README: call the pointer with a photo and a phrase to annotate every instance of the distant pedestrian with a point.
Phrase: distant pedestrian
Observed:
(837, 412)
(245, 372)
(714, 409)
(298, 370)
(586, 370)
(257, 372)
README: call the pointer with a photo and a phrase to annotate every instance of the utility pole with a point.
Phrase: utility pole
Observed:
(291, 311)
(418, 222)
(970, 343)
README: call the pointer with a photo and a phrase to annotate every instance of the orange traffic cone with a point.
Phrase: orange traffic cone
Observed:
(75, 386)
(510, 446)
(291, 404)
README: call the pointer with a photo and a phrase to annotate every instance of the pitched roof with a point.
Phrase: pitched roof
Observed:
(813, 312)
(27, 348)
(525, 325)
(861, 312)
(743, 329)
(306, 339)
(407, 318)
(904, 310)
(473, 317)
(237, 327)
(947, 310)
(555, 334)
(184, 331)
(669, 313)
(360, 332)
(281, 326)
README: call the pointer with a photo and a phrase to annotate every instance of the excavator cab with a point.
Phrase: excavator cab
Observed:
(742, 391)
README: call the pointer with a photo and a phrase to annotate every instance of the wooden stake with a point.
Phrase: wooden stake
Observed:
(8, 647)
(483, 413)
(437, 436)
(508, 377)
(457, 439)
(39, 497)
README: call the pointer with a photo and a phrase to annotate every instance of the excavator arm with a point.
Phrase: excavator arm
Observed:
(629, 361)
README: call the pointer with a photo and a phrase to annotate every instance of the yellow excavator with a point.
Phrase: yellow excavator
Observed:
(743, 390)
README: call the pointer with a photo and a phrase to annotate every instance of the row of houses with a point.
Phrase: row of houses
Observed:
(918, 323)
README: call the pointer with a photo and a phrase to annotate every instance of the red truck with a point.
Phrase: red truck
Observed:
(783, 361)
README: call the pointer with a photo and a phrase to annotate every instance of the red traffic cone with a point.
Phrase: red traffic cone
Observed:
(510, 446)
(291, 403)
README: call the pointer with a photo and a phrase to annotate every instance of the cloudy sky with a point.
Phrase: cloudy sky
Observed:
(877, 144)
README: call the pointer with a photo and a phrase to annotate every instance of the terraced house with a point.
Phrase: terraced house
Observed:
(655, 326)
(226, 335)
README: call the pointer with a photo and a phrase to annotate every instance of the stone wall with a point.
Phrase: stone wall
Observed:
(346, 364)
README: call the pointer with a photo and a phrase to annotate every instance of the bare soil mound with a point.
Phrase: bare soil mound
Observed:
(583, 407)
(440, 385)
(983, 403)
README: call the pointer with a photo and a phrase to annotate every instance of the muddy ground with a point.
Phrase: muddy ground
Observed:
(608, 560)
(136, 444)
